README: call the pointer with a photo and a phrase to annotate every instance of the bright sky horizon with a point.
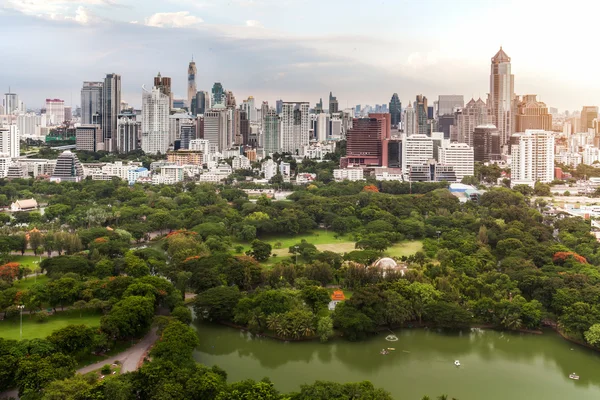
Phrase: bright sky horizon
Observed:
(301, 50)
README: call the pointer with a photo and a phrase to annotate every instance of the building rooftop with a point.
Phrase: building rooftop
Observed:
(500, 57)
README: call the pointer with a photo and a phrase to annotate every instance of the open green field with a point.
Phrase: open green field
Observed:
(33, 329)
(404, 249)
(26, 283)
(31, 262)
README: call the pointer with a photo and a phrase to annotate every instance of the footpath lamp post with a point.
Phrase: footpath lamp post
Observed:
(296, 248)
(21, 307)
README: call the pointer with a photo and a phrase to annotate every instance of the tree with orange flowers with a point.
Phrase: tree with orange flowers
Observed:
(9, 271)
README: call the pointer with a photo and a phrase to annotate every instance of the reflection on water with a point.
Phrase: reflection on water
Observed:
(494, 365)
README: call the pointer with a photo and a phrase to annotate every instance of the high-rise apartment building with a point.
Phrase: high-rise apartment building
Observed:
(416, 150)
(155, 121)
(532, 157)
(395, 110)
(448, 104)
(91, 103)
(55, 111)
(30, 124)
(250, 107)
(218, 95)
(410, 120)
(129, 132)
(175, 123)
(163, 83)
(421, 114)
(475, 113)
(10, 141)
(191, 85)
(460, 156)
(271, 127)
(244, 124)
(322, 127)
(486, 143)
(588, 114)
(87, 137)
(111, 107)
(502, 96)
(333, 104)
(532, 114)
(294, 127)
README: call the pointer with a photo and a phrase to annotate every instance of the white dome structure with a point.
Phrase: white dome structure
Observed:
(389, 264)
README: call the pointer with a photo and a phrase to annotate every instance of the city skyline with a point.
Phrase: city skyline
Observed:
(359, 62)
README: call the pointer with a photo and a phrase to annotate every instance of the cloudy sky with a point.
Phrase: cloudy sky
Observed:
(299, 50)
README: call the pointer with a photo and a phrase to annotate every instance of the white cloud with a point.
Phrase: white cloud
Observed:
(59, 10)
(179, 19)
(252, 23)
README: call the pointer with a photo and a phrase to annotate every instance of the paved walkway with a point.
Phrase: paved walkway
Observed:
(130, 359)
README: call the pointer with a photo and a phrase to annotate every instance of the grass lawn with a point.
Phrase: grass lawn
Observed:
(26, 283)
(404, 249)
(33, 329)
(31, 262)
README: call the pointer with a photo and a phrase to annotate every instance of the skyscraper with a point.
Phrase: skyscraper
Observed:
(486, 143)
(366, 141)
(588, 114)
(421, 110)
(459, 156)
(202, 103)
(155, 121)
(218, 94)
(532, 157)
(91, 102)
(410, 122)
(10, 141)
(395, 110)
(216, 129)
(111, 107)
(502, 96)
(271, 131)
(333, 104)
(294, 127)
(163, 84)
(11, 103)
(532, 114)
(191, 86)
(474, 114)
(447, 104)
(129, 133)
(55, 111)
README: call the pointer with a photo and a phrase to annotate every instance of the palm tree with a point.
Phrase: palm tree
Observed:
(274, 321)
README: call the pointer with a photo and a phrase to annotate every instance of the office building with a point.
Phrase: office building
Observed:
(202, 145)
(416, 150)
(333, 104)
(87, 137)
(396, 110)
(366, 142)
(11, 103)
(111, 108)
(348, 174)
(502, 96)
(474, 114)
(202, 103)
(431, 172)
(460, 156)
(191, 85)
(67, 169)
(10, 141)
(218, 95)
(486, 143)
(532, 114)
(55, 111)
(410, 120)
(294, 127)
(155, 121)
(588, 114)
(532, 157)
(175, 123)
(249, 107)
(271, 132)
(91, 102)
(322, 132)
(448, 104)
(216, 129)
(421, 116)
(244, 127)
(129, 134)
(163, 83)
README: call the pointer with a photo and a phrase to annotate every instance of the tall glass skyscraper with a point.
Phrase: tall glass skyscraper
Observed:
(191, 88)
(396, 110)
(111, 108)
(91, 102)
(502, 96)
(218, 94)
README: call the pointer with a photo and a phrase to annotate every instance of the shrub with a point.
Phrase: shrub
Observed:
(41, 317)
(106, 369)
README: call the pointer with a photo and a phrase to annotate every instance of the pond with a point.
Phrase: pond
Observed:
(494, 365)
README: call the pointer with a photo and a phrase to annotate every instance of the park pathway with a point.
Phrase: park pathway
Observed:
(130, 359)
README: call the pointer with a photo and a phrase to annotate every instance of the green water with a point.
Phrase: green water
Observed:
(494, 365)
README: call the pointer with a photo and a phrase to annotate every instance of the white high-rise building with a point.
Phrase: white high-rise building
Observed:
(250, 107)
(55, 111)
(416, 150)
(532, 157)
(11, 103)
(30, 124)
(294, 127)
(460, 156)
(175, 123)
(502, 96)
(10, 145)
(321, 127)
(202, 145)
(128, 133)
(155, 121)
(409, 121)
(271, 131)
(216, 129)
(91, 103)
